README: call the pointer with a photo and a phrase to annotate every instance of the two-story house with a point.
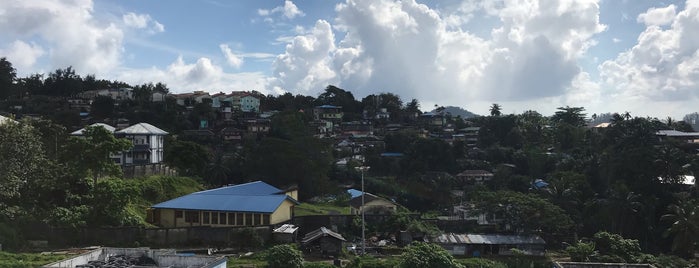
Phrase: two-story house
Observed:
(148, 143)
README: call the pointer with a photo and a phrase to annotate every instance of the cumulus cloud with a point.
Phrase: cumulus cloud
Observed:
(68, 28)
(233, 60)
(408, 48)
(203, 74)
(22, 55)
(142, 21)
(289, 10)
(663, 64)
(657, 16)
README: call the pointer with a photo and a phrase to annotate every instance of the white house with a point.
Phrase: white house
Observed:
(148, 143)
(249, 103)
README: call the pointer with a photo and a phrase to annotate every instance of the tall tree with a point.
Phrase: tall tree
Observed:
(8, 77)
(96, 145)
(495, 109)
(683, 218)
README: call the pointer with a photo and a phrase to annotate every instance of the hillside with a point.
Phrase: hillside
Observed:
(458, 111)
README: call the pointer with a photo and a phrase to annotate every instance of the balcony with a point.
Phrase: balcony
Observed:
(141, 148)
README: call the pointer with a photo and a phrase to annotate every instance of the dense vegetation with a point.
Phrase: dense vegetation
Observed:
(621, 179)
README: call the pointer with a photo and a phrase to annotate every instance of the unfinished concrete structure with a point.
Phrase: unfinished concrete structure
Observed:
(148, 258)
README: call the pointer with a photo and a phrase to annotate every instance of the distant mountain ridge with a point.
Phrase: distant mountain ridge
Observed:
(457, 111)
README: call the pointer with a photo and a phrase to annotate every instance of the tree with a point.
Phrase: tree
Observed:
(189, 158)
(495, 109)
(96, 145)
(426, 255)
(582, 251)
(573, 116)
(683, 218)
(102, 107)
(525, 212)
(22, 163)
(8, 77)
(282, 256)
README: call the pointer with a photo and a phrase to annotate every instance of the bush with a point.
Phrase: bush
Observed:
(371, 262)
(581, 251)
(283, 256)
(426, 255)
(480, 263)
(318, 265)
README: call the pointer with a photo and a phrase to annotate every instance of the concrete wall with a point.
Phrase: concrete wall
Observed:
(164, 258)
(282, 213)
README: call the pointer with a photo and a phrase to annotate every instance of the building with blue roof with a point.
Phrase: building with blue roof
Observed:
(249, 204)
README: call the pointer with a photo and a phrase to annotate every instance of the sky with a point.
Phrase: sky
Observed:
(640, 56)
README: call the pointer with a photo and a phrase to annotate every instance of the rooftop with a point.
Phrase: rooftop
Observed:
(142, 128)
(139, 257)
(248, 197)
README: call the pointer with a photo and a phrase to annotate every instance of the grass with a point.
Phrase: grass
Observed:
(29, 260)
(307, 209)
(246, 262)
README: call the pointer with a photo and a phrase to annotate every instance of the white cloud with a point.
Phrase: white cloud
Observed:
(233, 60)
(410, 49)
(662, 66)
(616, 40)
(203, 74)
(22, 55)
(289, 10)
(657, 16)
(142, 21)
(68, 29)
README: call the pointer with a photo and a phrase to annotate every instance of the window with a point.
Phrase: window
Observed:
(191, 216)
(248, 219)
(265, 219)
(214, 217)
(205, 217)
(231, 218)
(178, 214)
(239, 219)
(222, 218)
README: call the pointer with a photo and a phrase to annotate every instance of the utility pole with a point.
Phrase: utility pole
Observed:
(363, 169)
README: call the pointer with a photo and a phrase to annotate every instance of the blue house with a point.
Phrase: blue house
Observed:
(249, 204)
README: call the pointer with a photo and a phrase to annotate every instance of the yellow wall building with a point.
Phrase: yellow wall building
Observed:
(250, 204)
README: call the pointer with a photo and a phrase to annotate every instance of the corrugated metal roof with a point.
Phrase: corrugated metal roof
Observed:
(321, 232)
(488, 239)
(675, 133)
(354, 193)
(105, 126)
(249, 197)
(142, 128)
(286, 228)
(4, 120)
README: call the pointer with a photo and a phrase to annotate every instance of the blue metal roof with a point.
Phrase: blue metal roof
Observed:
(256, 196)
(354, 193)
(327, 106)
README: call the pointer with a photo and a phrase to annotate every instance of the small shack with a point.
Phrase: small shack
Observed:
(285, 233)
(323, 241)
(490, 244)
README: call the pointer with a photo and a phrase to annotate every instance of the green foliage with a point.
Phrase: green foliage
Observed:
(667, 261)
(27, 260)
(582, 251)
(480, 263)
(318, 265)
(22, 165)
(95, 147)
(683, 218)
(189, 158)
(526, 212)
(110, 200)
(371, 262)
(615, 248)
(10, 237)
(283, 256)
(426, 255)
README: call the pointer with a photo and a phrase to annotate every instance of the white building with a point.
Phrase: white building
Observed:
(148, 143)
(249, 104)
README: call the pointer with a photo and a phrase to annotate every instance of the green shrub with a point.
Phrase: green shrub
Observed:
(426, 255)
(581, 251)
(480, 263)
(318, 265)
(283, 256)
(371, 262)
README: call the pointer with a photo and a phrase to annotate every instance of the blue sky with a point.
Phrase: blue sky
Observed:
(605, 55)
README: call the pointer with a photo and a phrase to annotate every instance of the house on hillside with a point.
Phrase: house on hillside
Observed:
(249, 204)
(323, 241)
(474, 177)
(477, 245)
(372, 204)
(148, 144)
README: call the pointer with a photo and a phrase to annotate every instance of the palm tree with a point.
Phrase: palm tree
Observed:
(684, 228)
(495, 109)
